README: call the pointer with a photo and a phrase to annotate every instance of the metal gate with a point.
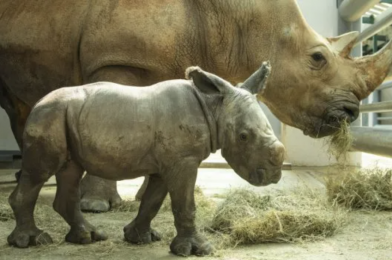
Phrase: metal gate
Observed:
(373, 131)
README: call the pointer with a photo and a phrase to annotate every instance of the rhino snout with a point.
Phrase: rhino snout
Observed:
(263, 177)
(277, 152)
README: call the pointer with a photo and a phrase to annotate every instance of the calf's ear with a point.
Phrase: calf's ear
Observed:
(258, 80)
(206, 82)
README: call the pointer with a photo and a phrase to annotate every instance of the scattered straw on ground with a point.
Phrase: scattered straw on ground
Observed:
(5, 209)
(362, 189)
(126, 206)
(250, 218)
(243, 217)
(340, 143)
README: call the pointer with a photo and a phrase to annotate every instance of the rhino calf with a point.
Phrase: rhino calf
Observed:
(163, 131)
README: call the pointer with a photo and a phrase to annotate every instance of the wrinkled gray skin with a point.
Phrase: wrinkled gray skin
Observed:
(120, 132)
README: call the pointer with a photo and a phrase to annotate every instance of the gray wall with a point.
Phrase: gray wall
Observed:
(7, 141)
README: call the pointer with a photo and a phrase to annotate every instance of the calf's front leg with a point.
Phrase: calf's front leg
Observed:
(139, 231)
(181, 181)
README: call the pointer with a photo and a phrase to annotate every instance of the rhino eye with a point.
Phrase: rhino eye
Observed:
(318, 56)
(318, 61)
(243, 137)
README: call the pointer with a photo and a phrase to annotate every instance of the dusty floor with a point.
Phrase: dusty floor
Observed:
(368, 235)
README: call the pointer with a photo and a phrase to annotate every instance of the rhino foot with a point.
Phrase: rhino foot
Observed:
(98, 195)
(84, 236)
(138, 236)
(23, 238)
(193, 245)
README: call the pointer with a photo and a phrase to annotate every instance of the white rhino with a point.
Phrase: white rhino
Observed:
(45, 45)
(120, 132)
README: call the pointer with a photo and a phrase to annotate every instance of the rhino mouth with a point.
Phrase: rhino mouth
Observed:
(332, 120)
(264, 177)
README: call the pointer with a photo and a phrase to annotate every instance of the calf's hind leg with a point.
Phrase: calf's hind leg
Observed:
(22, 201)
(67, 204)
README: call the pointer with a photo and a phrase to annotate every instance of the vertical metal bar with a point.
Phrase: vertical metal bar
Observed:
(372, 117)
(357, 52)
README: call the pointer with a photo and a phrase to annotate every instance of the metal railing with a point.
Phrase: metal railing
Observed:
(374, 138)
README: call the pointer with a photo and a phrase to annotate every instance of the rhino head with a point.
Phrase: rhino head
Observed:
(244, 135)
(315, 83)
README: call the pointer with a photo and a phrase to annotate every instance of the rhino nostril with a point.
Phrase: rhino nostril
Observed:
(352, 113)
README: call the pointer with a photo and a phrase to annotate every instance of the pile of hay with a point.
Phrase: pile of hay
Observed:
(340, 143)
(243, 217)
(362, 189)
(5, 209)
(250, 218)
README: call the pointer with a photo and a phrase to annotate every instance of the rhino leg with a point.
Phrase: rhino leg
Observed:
(22, 201)
(17, 112)
(98, 195)
(181, 184)
(142, 190)
(67, 204)
(139, 231)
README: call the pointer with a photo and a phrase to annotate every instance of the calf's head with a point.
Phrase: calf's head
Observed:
(245, 136)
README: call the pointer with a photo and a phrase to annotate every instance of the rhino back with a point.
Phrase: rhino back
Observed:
(45, 45)
(130, 130)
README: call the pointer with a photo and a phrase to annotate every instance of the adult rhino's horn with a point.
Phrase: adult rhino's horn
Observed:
(375, 68)
(258, 80)
(344, 43)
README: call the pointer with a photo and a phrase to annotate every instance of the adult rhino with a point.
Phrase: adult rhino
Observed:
(48, 44)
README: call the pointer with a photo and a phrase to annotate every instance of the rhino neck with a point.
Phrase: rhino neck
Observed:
(210, 114)
(231, 38)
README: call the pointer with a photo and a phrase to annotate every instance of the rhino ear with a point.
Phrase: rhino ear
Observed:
(344, 43)
(206, 82)
(258, 80)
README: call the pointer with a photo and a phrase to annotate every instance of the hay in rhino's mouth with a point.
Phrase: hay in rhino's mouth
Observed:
(339, 144)
(322, 129)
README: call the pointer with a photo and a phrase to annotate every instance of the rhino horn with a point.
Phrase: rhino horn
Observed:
(375, 68)
(257, 81)
(344, 43)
